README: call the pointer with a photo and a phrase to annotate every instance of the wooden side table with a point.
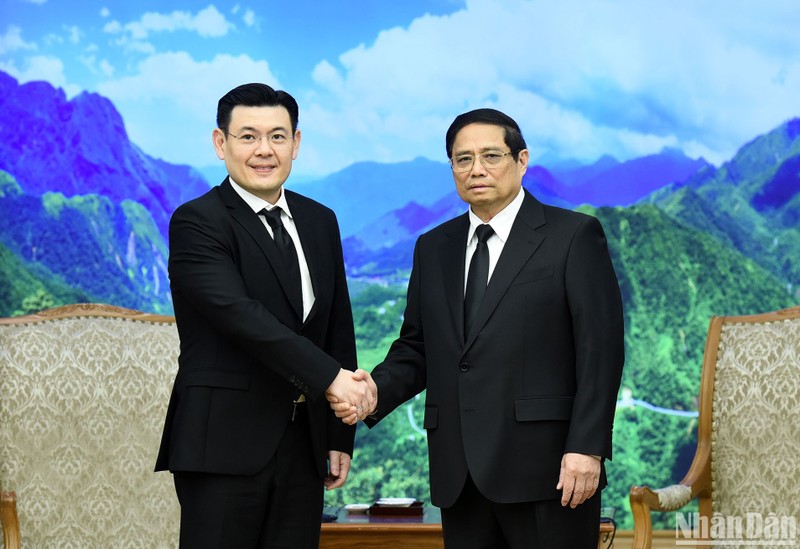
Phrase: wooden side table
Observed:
(357, 531)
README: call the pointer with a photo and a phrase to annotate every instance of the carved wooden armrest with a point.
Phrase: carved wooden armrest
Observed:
(9, 519)
(645, 499)
(672, 497)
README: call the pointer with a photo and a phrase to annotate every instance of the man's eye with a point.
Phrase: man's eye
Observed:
(247, 137)
(463, 160)
(492, 156)
(278, 137)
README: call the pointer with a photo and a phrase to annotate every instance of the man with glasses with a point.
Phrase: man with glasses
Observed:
(263, 312)
(514, 326)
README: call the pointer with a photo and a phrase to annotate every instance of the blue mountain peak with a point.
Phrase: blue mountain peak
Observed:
(80, 146)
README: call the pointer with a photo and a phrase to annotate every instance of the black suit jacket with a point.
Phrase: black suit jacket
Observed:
(539, 373)
(246, 353)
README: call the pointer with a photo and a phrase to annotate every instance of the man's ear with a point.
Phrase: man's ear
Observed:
(218, 138)
(522, 161)
(296, 144)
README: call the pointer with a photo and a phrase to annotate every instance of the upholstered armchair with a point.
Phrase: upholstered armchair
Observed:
(747, 461)
(83, 394)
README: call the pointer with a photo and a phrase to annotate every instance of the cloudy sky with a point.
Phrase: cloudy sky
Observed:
(381, 80)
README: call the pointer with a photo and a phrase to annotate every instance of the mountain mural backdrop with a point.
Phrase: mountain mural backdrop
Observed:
(84, 215)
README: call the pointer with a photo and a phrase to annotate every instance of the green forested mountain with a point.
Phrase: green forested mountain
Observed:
(106, 252)
(753, 169)
(734, 223)
(673, 278)
(28, 287)
(31, 288)
(751, 203)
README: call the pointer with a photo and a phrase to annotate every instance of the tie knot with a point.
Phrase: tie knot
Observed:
(484, 232)
(273, 217)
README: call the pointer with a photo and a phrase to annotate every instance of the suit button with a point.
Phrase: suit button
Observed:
(464, 366)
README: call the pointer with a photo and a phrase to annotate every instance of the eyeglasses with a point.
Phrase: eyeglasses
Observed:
(251, 140)
(464, 162)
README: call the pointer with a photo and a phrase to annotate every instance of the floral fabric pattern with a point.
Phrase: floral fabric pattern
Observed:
(82, 405)
(756, 421)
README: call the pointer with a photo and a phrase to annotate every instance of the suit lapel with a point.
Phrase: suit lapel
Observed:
(250, 222)
(522, 243)
(453, 253)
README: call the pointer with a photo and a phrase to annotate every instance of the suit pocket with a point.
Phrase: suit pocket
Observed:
(431, 419)
(217, 378)
(533, 275)
(543, 408)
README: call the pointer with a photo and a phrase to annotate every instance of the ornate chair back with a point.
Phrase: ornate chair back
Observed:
(755, 428)
(83, 393)
(746, 468)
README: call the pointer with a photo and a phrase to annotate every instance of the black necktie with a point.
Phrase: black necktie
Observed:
(477, 278)
(288, 252)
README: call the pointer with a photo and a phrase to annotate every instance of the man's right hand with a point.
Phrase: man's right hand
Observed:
(346, 410)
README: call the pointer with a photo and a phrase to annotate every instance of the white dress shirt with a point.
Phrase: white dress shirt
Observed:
(257, 204)
(501, 224)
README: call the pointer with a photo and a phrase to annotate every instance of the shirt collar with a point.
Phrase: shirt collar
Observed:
(257, 204)
(500, 223)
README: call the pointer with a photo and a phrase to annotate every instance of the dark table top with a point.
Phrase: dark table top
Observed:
(430, 515)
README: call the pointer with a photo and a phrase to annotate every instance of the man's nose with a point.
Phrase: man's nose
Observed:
(477, 167)
(264, 148)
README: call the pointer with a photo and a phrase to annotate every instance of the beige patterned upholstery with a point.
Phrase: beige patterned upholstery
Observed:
(83, 393)
(748, 455)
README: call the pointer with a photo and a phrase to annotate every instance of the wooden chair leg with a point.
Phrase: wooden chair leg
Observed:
(9, 520)
(643, 525)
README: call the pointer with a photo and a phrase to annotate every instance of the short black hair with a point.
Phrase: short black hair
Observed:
(255, 95)
(493, 117)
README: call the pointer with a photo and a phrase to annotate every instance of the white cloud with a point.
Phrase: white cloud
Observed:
(329, 78)
(249, 18)
(73, 34)
(170, 103)
(106, 67)
(132, 45)
(12, 41)
(40, 67)
(98, 67)
(128, 38)
(208, 22)
(582, 79)
(112, 27)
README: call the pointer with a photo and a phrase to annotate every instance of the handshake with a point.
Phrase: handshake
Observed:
(353, 395)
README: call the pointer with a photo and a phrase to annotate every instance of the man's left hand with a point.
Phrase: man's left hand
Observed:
(578, 479)
(339, 468)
